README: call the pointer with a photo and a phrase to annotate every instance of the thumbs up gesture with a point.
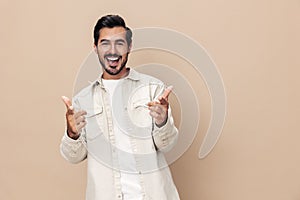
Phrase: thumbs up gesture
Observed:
(75, 120)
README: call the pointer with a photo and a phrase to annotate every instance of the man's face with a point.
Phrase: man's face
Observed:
(113, 50)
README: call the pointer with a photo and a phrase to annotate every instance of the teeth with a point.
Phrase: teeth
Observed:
(112, 58)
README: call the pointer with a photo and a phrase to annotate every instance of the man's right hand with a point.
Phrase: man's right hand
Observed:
(75, 120)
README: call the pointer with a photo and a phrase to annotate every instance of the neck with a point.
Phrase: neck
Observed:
(120, 75)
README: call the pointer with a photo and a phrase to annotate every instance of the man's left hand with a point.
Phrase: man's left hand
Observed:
(159, 109)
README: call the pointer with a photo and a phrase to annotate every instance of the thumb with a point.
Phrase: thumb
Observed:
(67, 102)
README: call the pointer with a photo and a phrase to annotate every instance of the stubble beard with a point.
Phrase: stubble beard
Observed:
(112, 72)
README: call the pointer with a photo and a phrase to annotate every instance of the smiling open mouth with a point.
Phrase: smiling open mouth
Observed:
(113, 61)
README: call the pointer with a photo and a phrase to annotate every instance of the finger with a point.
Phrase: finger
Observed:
(163, 101)
(80, 119)
(156, 108)
(152, 103)
(80, 113)
(68, 104)
(154, 114)
(80, 126)
(67, 101)
(167, 92)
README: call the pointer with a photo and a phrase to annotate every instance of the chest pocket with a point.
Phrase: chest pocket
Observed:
(94, 127)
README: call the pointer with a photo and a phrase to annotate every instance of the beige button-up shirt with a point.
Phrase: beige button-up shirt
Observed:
(97, 139)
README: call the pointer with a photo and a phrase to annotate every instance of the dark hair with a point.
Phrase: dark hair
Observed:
(111, 21)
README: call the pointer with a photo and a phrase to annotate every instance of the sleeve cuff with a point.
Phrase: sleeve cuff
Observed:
(165, 127)
(67, 139)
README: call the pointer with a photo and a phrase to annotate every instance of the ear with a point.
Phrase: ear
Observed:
(95, 49)
(129, 47)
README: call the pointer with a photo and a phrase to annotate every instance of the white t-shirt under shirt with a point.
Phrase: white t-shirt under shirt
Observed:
(131, 187)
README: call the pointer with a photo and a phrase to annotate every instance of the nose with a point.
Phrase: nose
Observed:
(113, 49)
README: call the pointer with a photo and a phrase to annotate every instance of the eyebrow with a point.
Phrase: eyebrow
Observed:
(106, 40)
(120, 40)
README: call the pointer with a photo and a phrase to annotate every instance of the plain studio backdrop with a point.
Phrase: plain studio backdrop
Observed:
(255, 45)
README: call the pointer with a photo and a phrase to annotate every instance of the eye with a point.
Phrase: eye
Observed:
(120, 43)
(104, 43)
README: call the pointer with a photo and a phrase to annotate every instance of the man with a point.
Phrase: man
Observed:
(122, 124)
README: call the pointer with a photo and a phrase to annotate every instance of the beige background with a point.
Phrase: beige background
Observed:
(255, 45)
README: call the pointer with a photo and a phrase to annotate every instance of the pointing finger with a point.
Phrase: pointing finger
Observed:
(66, 101)
(68, 104)
(167, 92)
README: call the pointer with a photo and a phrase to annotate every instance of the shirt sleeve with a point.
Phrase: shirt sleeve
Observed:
(74, 151)
(165, 137)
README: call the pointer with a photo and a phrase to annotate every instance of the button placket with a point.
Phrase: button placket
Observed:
(116, 172)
